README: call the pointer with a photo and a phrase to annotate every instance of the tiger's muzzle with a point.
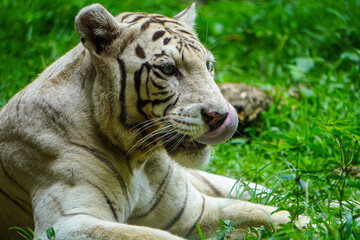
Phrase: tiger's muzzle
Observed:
(222, 127)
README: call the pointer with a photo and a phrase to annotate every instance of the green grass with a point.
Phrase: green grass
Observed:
(305, 53)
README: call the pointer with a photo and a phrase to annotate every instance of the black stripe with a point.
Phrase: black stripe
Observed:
(169, 30)
(195, 48)
(137, 82)
(184, 31)
(145, 26)
(137, 18)
(159, 101)
(139, 51)
(147, 86)
(12, 179)
(179, 213)
(187, 47)
(157, 85)
(171, 21)
(157, 55)
(101, 156)
(158, 16)
(198, 219)
(194, 38)
(179, 47)
(128, 164)
(108, 201)
(157, 74)
(157, 35)
(127, 15)
(166, 41)
(186, 39)
(171, 105)
(122, 80)
(160, 93)
(15, 202)
(159, 194)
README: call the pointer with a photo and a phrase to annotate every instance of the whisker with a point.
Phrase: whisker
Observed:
(179, 133)
(178, 143)
(207, 33)
(150, 135)
(149, 124)
(161, 137)
(207, 46)
(155, 146)
(169, 140)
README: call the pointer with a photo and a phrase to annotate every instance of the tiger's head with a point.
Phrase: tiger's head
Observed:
(154, 86)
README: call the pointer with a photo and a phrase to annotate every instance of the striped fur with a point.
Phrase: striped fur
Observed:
(94, 146)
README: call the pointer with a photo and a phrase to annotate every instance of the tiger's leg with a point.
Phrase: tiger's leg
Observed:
(206, 211)
(88, 227)
(221, 186)
(215, 190)
(242, 213)
(82, 212)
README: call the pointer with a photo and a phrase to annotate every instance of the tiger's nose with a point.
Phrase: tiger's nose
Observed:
(213, 119)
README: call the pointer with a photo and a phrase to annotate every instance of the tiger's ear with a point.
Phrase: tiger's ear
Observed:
(96, 27)
(187, 17)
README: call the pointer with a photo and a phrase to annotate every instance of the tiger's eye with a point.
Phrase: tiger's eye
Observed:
(209, 65)
(169, 69)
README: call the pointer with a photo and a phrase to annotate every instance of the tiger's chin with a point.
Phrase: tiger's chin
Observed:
(190, 154)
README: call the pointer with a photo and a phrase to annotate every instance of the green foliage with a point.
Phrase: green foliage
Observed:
(224, 229)
(305, 53)
(29, 234)
(201, 234)
(50, 233)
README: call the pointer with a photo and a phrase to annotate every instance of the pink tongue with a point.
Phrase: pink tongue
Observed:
(222, 133)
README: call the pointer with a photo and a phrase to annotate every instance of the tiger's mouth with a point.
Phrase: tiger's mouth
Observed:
(217, 134)
(189, 144)
(183, 143)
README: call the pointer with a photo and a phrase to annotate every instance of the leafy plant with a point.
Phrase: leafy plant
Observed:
(50, 233)
(224, 229)
(28, 234)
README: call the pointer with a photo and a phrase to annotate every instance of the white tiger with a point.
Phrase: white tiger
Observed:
(101, 144)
